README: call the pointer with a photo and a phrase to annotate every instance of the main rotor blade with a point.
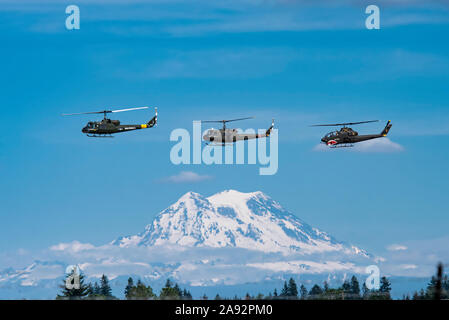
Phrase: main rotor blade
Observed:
(94, 112)
(104, 111)
(343, 124)
(129, 109)
(221, 121)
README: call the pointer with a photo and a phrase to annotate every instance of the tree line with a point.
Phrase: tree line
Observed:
(437, 288)
(349, 290)
(103, 291)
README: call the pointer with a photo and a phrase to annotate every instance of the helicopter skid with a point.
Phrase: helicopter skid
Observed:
(216, 144)
(343, 145)
(100, 136)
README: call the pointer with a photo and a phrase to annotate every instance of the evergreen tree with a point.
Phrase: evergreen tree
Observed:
(97, 289)
(385, 285)
(326, 286)
(186, 295)
(141, 292)
(333, 294)
(76, 290)
(90, 290)
(94, 292)
(365, 290)
(259, 296)
(346, 287)
(445, 288)
(303, 292)
(105, 288)
(385, 288)
(168, 283)
(170, 292)
(284, 291)
(438, 287)
(422, 294)
(217, 297)
(415, 296)
(129, 288)
(355, 288)
(177, 290)
(430, 290)
(275, 293)
(315, 292)
(292, 289)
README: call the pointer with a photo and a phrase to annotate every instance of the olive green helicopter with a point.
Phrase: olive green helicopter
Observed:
(108, 127)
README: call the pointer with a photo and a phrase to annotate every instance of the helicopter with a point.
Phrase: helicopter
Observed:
(107, 127)
(224, 136)
(347, 137)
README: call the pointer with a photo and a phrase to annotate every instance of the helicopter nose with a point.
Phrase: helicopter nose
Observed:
(208, 138)
(323, 140)
(84, 130)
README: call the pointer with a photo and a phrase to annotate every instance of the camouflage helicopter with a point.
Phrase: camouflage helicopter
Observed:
(225, 136)
(346, 137)
(107, 127)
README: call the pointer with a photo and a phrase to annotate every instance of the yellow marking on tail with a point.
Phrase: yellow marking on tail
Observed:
(143, 126)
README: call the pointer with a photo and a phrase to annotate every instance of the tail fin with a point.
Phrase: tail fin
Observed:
(267, 133)
(386, 129)
(153, 120)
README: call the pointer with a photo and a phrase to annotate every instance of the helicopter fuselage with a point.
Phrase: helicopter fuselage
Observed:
(344, 138)
(348, 136)
(108, 127)
(224, 136)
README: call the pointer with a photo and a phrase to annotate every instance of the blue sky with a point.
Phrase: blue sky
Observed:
(296, 62)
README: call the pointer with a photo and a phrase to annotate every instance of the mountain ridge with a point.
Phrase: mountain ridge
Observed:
(235, 219)
(229, 238)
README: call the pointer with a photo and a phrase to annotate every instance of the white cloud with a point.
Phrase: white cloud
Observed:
(186, 177)
(397, 247)
(200, 266)
(415, 258)
(74, 246)
(378, 145)
(226, 266)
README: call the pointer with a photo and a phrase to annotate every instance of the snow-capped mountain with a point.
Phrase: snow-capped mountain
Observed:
(235, 219)
(228, 239)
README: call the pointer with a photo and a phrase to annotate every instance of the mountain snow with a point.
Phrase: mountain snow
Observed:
(235, 219)
(228, 239)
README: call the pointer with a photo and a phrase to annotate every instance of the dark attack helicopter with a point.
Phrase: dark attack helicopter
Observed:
(346, 137)
(107, 127)
(224, 135)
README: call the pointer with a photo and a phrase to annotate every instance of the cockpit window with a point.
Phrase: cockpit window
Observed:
(331, 134)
